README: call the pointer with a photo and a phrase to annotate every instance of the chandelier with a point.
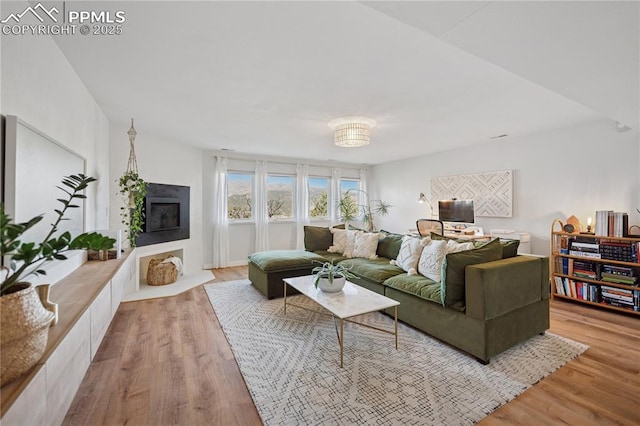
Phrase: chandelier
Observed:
(352, 131)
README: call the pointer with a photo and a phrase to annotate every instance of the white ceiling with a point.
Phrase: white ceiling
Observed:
(266, 77)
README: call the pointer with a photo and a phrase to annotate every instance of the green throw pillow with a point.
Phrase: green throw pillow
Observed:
(389, 246)
(453, 271)
(509, 248)
(318, 238)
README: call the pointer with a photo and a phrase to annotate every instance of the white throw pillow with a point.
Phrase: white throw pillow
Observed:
(350, 243)
(455, 247)
(430, 263)
(366, 244)
(339, 240)
(409, 254)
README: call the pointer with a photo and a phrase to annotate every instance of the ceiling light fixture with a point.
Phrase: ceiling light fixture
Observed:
(352, 132)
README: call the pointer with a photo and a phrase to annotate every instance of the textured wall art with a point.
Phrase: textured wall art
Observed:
(491, 192)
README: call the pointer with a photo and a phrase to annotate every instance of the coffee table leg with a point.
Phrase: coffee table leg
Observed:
(285, 298)
(395, 318)
(341, 340)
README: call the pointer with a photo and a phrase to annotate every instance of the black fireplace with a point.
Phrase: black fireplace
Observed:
(166, 210)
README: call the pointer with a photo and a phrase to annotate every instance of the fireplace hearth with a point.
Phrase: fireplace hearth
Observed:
(166, 210)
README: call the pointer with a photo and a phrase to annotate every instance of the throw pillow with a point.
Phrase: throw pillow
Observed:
(453, 271)
(509, 248)
(389, 246)
(365, 245)
(409, 254)
(455, 247)
(350, 243)
(339, 240)
(430, 263)
(317, 238)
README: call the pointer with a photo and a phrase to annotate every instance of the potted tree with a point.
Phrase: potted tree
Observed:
(331, 278)
(350, 209)
(24, 322)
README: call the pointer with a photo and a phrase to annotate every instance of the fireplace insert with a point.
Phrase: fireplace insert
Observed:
(166, 210)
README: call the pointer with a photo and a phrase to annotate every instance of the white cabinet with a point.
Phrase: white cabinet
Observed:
(525, 239)
(31, 407)
(66, 367)
(101, 315)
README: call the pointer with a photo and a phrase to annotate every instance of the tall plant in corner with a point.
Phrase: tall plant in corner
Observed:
(350, 209)
(133, 190)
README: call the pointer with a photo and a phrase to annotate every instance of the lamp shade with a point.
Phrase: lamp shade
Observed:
(352, 132)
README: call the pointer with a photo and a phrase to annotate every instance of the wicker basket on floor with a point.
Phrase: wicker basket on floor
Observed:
(161, 273)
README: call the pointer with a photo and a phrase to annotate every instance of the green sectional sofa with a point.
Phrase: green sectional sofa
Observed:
(482, 307)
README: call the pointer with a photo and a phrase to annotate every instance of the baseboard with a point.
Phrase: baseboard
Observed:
(230, 264)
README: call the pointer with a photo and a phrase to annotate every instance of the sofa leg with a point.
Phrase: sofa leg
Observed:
(541, 333)
(482, 361)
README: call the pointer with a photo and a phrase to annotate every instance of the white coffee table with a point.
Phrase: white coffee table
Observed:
(353, 300)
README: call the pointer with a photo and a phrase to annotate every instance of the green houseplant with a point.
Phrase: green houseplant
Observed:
(24, 321)
(351, 210)
(133, 189)
(329, 277)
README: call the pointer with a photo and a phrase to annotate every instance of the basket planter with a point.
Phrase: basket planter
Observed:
(24, 329)
(161, 273)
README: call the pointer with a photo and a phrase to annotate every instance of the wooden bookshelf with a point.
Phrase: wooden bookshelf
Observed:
(591, 284)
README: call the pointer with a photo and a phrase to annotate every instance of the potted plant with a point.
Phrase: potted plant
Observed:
(24, 322)
(331, 278)
(351, 210)
(133, 189)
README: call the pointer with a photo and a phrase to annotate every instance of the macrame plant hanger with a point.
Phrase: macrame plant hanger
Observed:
(132, 165)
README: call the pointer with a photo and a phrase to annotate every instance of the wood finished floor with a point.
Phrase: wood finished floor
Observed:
(167, 362)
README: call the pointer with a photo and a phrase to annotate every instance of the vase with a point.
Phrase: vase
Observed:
(325, 285)
(24, 329)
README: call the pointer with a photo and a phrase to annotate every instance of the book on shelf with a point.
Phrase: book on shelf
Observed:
(612, 224)
(580, 253)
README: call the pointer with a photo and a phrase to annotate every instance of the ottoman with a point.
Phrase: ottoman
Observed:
(268, 268)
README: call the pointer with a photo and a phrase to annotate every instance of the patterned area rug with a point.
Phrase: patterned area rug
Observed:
(291, 365)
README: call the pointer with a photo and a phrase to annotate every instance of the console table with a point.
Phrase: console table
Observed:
(87, 300)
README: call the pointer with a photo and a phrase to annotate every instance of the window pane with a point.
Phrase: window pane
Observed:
(346, 185)
(280, 197)
(239, 195)
(318, 197)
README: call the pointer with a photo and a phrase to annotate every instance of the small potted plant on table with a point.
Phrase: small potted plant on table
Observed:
(331, 278)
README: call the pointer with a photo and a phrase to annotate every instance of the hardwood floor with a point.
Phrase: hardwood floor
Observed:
(167, 361)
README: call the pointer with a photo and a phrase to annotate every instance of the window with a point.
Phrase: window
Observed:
(240, 195)
(348, 206)
(280, 197)
(318, 197)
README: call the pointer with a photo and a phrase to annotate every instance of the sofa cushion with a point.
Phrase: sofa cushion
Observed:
(330, 257)
(317, 238)
(509, 248)
(366, 245)
(417, 285)
(409, 254)
(454, 246)
(389, 246)
(374, 270)
(453, 271)
(430, 263)
(282, 260)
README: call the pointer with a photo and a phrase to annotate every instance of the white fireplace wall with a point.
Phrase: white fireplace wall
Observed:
(160, 161)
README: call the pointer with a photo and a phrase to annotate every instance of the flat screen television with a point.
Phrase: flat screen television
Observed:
(456, 211)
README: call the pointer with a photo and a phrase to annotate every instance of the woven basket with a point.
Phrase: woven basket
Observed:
(161, 273)
(24, 329)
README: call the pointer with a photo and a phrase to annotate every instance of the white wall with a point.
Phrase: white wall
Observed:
(40, 87)
(569, 171)
(165, 162)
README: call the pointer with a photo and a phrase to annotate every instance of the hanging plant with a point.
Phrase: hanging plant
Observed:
(133, 190)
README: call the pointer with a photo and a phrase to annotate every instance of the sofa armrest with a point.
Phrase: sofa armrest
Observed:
(495, 288)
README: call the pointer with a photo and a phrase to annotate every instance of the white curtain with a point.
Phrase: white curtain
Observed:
(363, 194)
(302, 203)
(260, 206)
(334, 196)
(220, 218)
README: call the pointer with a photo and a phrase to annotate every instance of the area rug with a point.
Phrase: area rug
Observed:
(291, 365)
